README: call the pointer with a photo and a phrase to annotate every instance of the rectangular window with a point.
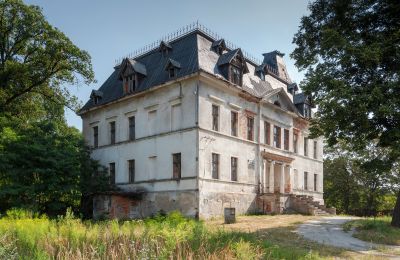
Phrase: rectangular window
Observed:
(250, 128)
(95, 136)
(215, 166)
(315, 150)
(131, 128)
(235, 75)
(267, 133)
(305, 180)
(234, 122)
(131, 170)
(286, 139)
(112, 132)
(176, 165)
(295, 141)
(277, 136)
(234, 168)
(305, 146)
(315, 181)
(215, 117)
(112, 173)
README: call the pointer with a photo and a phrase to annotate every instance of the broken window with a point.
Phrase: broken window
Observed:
(234, 122)
(305, 180)
(215, 166)
(305, 146)
(176, 161)
(286, 139)
(215, 117)
(267, 132)
(95, 136)
(131, 128)
(250, 128)
(130, 83)
(172, 72)
(234, 168)
(315, 149)
(277, 137)
(131, 169)
(235, 75)
(112, 132)
(112, 173)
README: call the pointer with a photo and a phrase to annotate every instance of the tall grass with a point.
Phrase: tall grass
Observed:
(161, 237)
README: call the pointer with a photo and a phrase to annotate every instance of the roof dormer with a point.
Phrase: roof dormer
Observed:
(219, 46)
(172, 67)
(165, 48)
(95, 96)
(232, 66)
(131, 73)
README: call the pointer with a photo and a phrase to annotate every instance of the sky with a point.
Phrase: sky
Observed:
(109, 30)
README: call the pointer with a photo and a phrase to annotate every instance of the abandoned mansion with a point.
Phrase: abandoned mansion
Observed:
(194, 124)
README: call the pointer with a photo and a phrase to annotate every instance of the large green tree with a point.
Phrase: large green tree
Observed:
(36, 61)
(350, 50)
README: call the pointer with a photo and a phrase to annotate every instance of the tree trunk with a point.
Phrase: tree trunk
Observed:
(396, 213)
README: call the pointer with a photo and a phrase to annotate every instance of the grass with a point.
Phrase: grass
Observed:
(376, 230)
(162, 237)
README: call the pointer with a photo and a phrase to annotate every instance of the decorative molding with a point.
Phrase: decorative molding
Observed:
(234, 106)
(131, 113)
(111, 118)
(216, 99)
(95, 122)
(175, 101)
(151, 107)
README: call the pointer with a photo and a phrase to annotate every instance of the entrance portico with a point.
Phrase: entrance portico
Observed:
(277, 176)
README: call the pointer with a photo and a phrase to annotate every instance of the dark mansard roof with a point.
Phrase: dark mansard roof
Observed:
(190, 53)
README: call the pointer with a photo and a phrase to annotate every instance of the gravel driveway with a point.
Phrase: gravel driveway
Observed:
(328, 230)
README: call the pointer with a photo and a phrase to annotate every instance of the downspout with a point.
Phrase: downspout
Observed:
(258, 152)
(197, 144)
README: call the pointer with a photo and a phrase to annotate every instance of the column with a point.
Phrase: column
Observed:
(282, 183)
(271, 177)
(291, 179)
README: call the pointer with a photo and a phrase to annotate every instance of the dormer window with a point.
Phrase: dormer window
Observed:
(232, 66)
(131, 73)
(219, 46)
(165, 48)
(172, 67)
(96, 95)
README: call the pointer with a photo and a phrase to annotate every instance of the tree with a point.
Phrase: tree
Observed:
(351, 51)
(47, 167)
(36, 59)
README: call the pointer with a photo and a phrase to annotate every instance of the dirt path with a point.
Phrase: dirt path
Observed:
(329, 231)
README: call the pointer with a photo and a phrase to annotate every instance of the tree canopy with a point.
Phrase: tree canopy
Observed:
(350, 50)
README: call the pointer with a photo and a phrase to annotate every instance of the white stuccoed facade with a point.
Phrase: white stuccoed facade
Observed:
(176, 117)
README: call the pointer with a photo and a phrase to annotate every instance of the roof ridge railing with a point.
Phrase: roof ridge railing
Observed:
(195, 26)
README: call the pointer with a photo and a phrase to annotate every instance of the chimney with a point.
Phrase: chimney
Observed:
(275, 60)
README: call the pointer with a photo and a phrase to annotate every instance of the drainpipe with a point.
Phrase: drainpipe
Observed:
(258, 152)
(197, 144)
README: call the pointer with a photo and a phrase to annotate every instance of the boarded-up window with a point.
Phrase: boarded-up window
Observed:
(315, 181)
(132, 134)
(305, 180)
(215, 117)
(277, 136)
(112, 132)
(112, 173)
(267, 132)
(305, 146)
(176, 117)
(234, 168)
(295, 141)
(215, 166)
(315, 149)
(95, 136)
(234, 123)
(131, 170)
(250, 128)
(176, 165)
(286, 139)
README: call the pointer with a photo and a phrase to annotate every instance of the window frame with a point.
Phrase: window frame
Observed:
(286, 134)
(234, 123)
(277, 136)
(295, 142)
(234, 168)
(112, 173)
(305, 181)
(315, 182)
(131, 128)
(267, 132)
(95, 136)
(131, 171)
(113, 130)
(215, 117)
(305, 146)
(215, 161)
(250, 128)
(315, 145)
(177, 166)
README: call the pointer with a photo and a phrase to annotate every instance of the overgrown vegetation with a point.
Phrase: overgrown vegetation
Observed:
(28, 236)
(377, 230)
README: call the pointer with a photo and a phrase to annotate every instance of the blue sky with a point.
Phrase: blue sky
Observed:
(109, 30)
